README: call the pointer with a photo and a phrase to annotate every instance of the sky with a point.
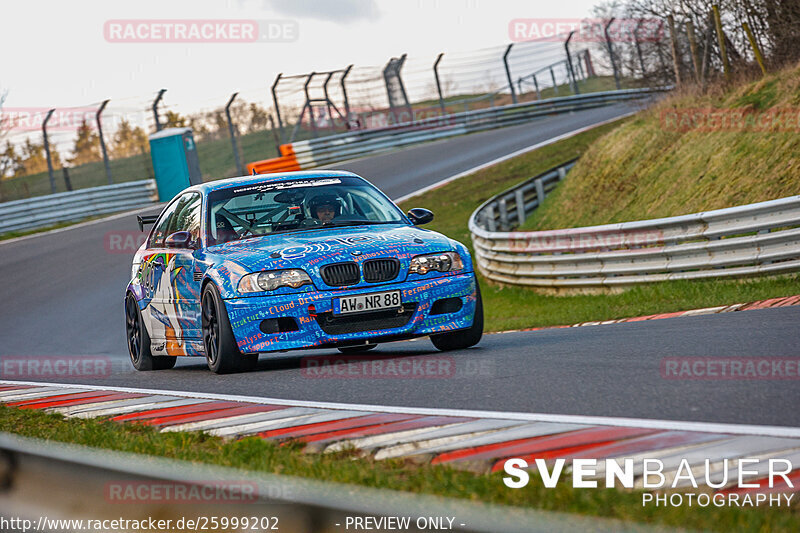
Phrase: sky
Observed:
(60, 53)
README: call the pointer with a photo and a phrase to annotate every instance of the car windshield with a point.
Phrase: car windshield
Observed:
(297, 205)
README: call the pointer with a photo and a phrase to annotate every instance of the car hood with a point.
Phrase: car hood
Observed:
(312, 249)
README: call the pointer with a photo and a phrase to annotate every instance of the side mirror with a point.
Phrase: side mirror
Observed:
(179, 239)
(420, 216)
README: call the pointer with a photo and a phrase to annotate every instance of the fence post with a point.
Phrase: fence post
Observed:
(155, 108)
(508, 73)
(553, 75)
(693, 49)
(274, 90)
(676, 60)
(102, 140)
(344, 94)
(587, 57)
(439, 85)
(536, 84)
(723, 51)
(569, 64)
(47, 152)
(611, 52)
(232, 131)
(275, 135)
(756, 49)
(67, 182)
(639, 46)
(311, 118)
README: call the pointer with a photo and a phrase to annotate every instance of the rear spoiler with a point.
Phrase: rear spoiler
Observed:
(146, 219)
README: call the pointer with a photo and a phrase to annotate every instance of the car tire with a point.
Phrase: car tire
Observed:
(463, 338)
(222, 353)
(357, 349)
(139, 340)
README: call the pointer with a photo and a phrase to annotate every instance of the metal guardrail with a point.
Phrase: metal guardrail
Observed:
(340, 147)
(32, 213)
(760, 238)
(90, 484)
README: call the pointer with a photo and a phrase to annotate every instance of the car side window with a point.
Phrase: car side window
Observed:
(187, 216)
(160, 229)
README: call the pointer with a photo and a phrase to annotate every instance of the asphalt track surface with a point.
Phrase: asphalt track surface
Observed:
(62, 295)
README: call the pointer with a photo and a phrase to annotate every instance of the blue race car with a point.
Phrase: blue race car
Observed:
(243, 266)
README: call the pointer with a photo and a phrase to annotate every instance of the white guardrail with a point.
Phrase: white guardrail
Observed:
(89, 484)
(40, 211)
(761, 238)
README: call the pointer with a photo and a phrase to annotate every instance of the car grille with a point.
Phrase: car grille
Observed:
(341, 325)
(376, 270)
(340, 274)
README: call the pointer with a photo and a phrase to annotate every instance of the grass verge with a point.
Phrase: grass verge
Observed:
(519, 307)
(258, 455)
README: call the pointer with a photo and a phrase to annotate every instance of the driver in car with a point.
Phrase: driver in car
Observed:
(325, 208)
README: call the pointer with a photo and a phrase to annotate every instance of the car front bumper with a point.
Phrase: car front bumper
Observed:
(417, 318)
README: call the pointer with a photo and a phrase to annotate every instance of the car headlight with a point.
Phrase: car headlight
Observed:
(273, 279)
(443, 262)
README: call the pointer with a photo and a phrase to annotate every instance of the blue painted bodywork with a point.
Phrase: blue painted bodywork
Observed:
(168, 283)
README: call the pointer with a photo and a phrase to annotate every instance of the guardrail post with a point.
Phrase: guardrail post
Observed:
(490, 218)
(553, 75)
(439, 85)
(611, 52)
(503, 214)
(47, 152)
(519, 195)
(539, 191)
(155, 108)
(508, 73)
(232, 131)
(562, 173)
(274, 90)
(102, 140)
(569, 64)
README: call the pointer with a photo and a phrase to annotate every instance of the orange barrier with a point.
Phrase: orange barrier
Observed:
(286, 162)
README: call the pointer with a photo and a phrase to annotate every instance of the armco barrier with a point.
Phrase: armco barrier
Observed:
(746, 240)
(334, 148)
(41, 211)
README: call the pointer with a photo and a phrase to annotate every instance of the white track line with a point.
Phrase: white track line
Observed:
(679, 425)
(509, 156)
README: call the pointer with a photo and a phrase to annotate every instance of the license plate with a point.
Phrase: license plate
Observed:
(363, 303)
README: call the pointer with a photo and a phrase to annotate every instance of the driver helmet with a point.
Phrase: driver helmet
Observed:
(330, 200)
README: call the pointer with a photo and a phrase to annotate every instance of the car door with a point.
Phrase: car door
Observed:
(185, 272)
